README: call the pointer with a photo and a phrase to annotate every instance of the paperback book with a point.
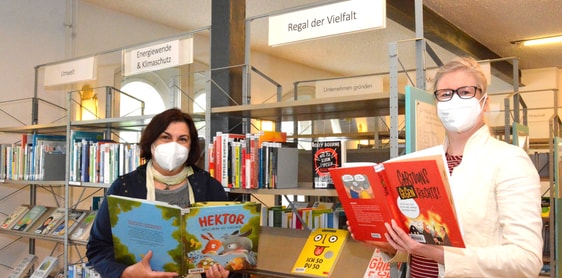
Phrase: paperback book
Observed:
(74, 218)
(51, 222)
(14, 217)
(29, 218)
(325, 155)
(320, 252)
(185, 240)
(22, 269)
(47, 266)
(413, 189)
(377, 267)
(82, 230)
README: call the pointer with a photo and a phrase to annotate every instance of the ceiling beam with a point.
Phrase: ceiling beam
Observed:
(440, 31)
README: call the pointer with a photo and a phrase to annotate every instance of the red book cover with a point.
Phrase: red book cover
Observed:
(414, 190)
(421, 192)
(363, 199)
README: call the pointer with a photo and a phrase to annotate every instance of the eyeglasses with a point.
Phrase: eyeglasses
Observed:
(465, 92)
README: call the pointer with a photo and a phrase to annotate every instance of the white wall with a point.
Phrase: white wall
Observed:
(32, 33)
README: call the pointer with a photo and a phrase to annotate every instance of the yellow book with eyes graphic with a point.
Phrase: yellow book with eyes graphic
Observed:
(320, 252)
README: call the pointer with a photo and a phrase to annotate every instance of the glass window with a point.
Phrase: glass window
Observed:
(131, 107)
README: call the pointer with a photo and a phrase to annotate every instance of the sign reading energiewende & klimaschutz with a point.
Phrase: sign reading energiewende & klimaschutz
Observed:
(157, 56)
(334, 19)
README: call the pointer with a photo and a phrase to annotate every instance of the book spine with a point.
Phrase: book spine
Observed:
(85, 161)
(211, 155)
(218, 156)
(390, 195)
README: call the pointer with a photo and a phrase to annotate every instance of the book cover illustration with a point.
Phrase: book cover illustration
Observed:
(413, 189)
(325, 155)
(51, 222)
(22, 269)
(82, 229)
(45, 268)
(13, 218)
(422, 195)
(363, 200)
(29, 218)
(186, 240)
(320, 252)
(74, 218)
(377, 267)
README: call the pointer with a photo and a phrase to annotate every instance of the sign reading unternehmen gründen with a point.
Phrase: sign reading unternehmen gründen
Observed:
(323, 21)
(158, 56)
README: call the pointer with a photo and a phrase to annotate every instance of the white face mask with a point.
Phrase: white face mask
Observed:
(170, 156)
(459, 114)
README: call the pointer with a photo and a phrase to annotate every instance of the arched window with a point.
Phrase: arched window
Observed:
(131, 107)
(141, 90)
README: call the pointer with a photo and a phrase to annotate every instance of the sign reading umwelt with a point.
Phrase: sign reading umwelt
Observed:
(334, 19)
(69, 72)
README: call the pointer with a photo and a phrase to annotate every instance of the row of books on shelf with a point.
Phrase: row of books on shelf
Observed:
(252, 161)
(92, 158)
(49, 268)
(83, 270)
(300, 215)
(96, 160)
(35, 157)
(49, 221)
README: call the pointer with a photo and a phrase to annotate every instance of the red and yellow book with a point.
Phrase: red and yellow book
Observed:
(414, 190)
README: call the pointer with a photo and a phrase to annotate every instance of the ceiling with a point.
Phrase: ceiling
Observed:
(488, 29)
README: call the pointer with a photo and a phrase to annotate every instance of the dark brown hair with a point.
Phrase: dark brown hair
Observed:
(159, 123)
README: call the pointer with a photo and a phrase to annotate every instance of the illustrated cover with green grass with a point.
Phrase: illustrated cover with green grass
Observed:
(185, 240)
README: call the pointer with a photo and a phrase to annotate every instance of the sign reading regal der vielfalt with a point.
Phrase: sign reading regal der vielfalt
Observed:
(334, 19)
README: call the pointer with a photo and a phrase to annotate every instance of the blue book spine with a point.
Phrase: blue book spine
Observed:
(85, 162)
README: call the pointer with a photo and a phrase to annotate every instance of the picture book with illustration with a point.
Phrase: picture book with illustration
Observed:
(74, 218)
(29, 218)
(80, 229)
(23, 267)
(47, 266)
(14, 217)
(377, 267)
(412, 189)
(56, 216)
(185, 240)
(320, 252)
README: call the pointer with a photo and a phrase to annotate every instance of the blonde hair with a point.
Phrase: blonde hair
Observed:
(466, 64)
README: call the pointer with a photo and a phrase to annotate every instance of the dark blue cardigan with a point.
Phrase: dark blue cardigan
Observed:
(100, 245)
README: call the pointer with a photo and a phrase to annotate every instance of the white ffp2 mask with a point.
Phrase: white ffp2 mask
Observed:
(170, 155)
(459, 114)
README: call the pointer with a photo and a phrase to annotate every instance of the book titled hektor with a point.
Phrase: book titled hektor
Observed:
(185, 240)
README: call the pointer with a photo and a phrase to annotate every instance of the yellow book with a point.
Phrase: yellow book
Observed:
(320, 252)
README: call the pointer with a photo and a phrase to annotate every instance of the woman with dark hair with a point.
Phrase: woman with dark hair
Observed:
(170, 145)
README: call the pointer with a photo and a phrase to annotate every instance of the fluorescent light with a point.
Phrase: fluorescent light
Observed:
(556, 39)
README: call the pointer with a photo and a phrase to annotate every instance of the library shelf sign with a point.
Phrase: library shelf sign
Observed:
(157, 56)
(327, 20)
(70, 72)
